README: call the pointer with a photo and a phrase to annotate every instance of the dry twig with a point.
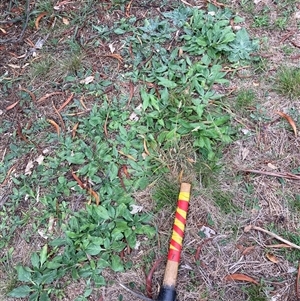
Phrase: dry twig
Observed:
(252, 227)
(19, 39)
(286, 175)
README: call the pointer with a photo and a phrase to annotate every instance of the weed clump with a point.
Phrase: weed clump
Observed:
(245, 98)
(288, 82)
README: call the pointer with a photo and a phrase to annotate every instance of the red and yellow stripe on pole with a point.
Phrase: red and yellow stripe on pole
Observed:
(179, 223)
(167, 291)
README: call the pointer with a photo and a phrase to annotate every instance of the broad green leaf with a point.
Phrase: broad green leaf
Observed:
(154, 102)
(20, 292)
(34, 296)
(117, 234)
(87, 292)
(102, 263)
(24, 273)
(166, 82)
(93, 249)
(86, 271)
(131, 240)
(101, 212)
(43, 254)
(116, 264)
(77, 158)
(99, 280)
(44, 297)
(119, 31)
(52, 265)
(145, 98)
(35, 260)
(49, 276)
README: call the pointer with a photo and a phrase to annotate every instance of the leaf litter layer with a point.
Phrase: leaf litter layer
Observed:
(171, 117)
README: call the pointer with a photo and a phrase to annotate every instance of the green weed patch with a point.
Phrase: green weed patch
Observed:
(117, 149)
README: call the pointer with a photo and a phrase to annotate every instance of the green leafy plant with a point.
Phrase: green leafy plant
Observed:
(261, 21)
(255, 293)
(211, 33)
(94, 238)
(120, 144)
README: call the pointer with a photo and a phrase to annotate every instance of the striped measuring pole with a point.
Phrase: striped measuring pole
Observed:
(168, 291)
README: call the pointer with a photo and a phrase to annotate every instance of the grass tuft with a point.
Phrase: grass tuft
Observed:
(165, 194)
(288, 82)
(245, 98)
(223, 200)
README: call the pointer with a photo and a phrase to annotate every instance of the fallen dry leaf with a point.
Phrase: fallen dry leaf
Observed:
(7, 176)
(59, 116)
(20, 134)
(126, 155)
(87, 80)
(180, 176)
(136, 209)
(74, 130)
(105, 125)
(66, 102)
(57, 128)
(248, 250)
(48, 95)
(115, 56)
(127, 13)
(14, 66)
(12, 105)
(3, 30)
(272, 166)
(38, 19)
(65, 21)
(28, 168)
(145, 147)
(240, 277)
(29, 92)
(79, 182)
(208, 232)
(244, 153)
(289, 120)
(272, 257)
(278, 246)
(111, 47)
(248, 228)
(40, 159)
(82, 103)
(95, 195)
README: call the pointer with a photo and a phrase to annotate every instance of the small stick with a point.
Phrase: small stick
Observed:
(29, 92)
(134, 293)
(252, 227)
(150, 276)
(186, 3)
(59, 116)
(66, 102)
(286, 175)
(105, 125)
